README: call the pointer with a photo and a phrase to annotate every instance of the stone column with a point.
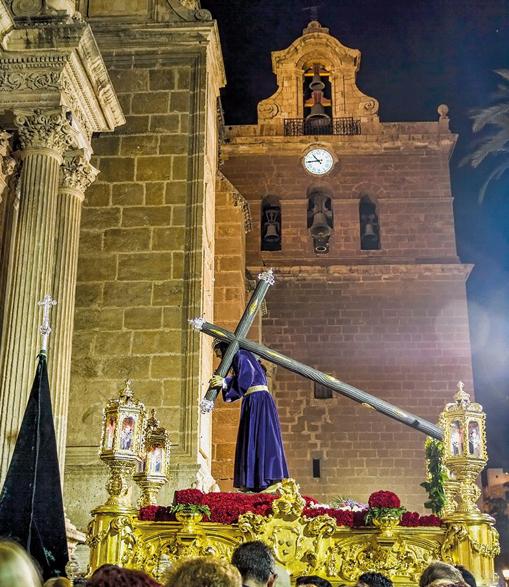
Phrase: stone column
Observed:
(7, 163)
(76, 174)
(44, 136)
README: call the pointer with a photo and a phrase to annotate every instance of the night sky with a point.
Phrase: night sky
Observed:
(416, 54)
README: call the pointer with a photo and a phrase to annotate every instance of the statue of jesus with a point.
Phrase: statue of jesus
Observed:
(259, 456)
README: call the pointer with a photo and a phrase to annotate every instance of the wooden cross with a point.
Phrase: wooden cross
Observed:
(45, 328)
(265, 280)
(237, 340)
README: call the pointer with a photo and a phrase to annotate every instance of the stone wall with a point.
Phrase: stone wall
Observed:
(147, 250)
(397, 332)
(392, 322)
(229, 304)
(411, 190)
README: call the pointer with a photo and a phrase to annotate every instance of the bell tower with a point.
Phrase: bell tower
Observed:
(355, 216)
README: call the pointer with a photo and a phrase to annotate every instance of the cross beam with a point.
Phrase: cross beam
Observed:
(327, 380)
(265, 280)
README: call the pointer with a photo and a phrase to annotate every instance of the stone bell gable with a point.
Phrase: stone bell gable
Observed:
(338, 63)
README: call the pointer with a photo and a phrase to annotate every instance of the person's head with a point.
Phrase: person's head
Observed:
(439, 573)
(16, 566)
(113, 576)
(204, 572)
(312, 581)
(255, 562)
(373, 580)
(220, 348)
(467, 576)
(58, 582)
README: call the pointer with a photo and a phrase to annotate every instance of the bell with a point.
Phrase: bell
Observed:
(317, 117)
(316, 82)
(272, 225)
(369, 237)
(321, 245)
(320, 228)
(271, 234)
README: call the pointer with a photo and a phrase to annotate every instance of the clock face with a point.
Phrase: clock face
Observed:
(318, 161)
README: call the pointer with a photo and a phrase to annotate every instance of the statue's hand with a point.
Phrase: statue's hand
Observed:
(217, 381)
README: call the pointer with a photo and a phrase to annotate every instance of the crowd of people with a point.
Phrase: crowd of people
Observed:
(253, 565)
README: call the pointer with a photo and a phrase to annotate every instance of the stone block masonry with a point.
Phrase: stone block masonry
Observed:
(404, 339)
(146, 254)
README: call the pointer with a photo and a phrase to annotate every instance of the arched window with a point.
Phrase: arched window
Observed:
(270, 224)
(369, 227)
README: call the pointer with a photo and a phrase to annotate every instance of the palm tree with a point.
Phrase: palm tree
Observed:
(494, 120)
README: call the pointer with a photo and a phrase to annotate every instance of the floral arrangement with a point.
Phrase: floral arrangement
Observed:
(383, 504)
(225, 508)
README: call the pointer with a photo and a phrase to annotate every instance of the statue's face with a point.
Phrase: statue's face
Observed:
(218, 352)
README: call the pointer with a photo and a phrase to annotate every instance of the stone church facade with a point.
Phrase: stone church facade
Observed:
(125, 196)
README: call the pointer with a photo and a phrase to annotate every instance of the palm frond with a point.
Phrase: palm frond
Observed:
(503, 73)
(494, 121)
(493, 176)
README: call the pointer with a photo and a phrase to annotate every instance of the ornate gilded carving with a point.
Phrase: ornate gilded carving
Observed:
(304, 545)
(44, 129)
(398, 557)
(77, 173)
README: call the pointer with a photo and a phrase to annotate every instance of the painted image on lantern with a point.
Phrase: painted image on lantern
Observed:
(126, 434)
(110, 432)
(156, 460)
(318, 161)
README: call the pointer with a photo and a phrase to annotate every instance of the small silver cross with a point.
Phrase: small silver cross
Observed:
(45, 328)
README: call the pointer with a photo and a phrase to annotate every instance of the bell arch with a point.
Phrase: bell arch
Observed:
(270, 224)
(369, 227)
(320, 218)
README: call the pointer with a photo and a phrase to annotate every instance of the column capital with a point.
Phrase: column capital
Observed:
(76, 173)
(39, 129)
(56, 64)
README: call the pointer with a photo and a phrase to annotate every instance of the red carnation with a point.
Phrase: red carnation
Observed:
(194, 496)
(430, 520)
(384, 499)
(148, 513)
(410, 519)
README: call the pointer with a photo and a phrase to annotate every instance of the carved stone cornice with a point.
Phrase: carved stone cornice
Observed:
(56, 64)
(383, 272)
(47, 8)
(76, 173)
(44, 130)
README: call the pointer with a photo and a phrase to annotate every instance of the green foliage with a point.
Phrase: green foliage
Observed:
(191, 508)
(375, 513)
(437, 475)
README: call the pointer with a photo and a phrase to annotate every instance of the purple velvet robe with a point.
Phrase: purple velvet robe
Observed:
(259, 455)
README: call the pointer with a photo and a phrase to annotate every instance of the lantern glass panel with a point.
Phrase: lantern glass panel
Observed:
(155, 461)
(456, 448)
(474, 439)
(127, 433)
(110, 433)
